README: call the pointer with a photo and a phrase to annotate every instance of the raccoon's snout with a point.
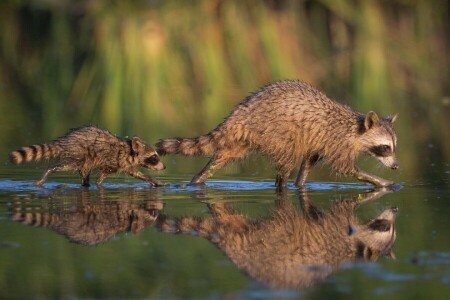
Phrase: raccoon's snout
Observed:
(160, 166)
(395, 166)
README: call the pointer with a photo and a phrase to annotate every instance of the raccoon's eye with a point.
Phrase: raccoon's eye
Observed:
(152, 160)
(380, 225)
(382, 150)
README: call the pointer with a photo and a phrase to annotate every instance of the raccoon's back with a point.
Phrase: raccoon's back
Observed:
(287, 106)
(91, 143)
(288, 119)
(79, 144)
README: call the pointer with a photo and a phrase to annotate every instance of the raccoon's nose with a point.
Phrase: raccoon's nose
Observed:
(395, 166)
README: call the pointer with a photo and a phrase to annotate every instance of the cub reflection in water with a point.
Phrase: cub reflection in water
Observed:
(92, 221)
(291, 249)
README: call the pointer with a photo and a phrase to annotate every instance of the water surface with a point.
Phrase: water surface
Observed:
(127, 256)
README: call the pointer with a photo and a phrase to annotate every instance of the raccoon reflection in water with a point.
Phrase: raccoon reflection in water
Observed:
(290, 249)
(93, 222)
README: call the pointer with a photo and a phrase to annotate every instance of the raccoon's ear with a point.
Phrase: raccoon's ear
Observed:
(136, 144)
(371, 120)
(391, 119)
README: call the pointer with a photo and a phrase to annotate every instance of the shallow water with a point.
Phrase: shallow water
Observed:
(67, 241)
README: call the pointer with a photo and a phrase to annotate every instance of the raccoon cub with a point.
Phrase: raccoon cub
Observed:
(91, 223)
(294, 125)
(86, 148)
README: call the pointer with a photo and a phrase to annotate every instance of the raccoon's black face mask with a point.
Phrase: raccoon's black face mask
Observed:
(377, 236)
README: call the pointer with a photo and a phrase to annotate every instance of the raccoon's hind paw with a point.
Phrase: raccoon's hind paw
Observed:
(38, 183)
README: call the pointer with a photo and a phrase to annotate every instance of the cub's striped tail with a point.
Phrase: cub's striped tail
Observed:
(34, 152)
(202, 145)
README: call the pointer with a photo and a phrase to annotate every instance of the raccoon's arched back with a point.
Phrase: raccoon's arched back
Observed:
(34, 152)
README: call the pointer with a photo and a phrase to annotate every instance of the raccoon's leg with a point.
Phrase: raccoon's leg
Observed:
(217, 162)
(282, 179)
(305, 167)
(205, 173)
(85, 178)
(50, 170)
(103, 173)
(101, 176)
(375, 180)
(146, 178)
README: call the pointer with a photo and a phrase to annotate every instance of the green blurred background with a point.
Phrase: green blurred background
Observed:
(176, 68)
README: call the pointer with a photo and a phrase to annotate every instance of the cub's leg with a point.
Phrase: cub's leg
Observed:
(51, 170)
(85, 179)
(103, 173)
(146, 178)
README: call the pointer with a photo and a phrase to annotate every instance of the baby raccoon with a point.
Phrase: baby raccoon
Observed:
(86, 148)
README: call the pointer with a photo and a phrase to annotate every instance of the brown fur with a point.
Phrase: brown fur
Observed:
(87, 148)
(289, 249)
(293, 124)
(92, 223)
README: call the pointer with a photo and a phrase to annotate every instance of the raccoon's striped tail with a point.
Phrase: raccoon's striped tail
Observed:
(34, 152)
(202, 145)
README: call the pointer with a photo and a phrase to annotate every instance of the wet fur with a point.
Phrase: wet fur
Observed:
(86, 148)
(293, 124)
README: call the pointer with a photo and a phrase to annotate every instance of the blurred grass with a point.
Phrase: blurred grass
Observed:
(168, 68)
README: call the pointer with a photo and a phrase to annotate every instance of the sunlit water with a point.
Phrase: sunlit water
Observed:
(127, 256)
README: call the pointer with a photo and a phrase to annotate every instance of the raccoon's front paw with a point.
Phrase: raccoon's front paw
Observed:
(38, 183)
(375, 180)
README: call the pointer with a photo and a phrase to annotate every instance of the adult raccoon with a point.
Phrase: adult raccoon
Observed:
(294, 125)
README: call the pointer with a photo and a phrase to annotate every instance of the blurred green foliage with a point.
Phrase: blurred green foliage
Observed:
(163, 68)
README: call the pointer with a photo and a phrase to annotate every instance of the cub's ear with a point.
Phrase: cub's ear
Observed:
(371, 120)
(136, 144)
(391, 119)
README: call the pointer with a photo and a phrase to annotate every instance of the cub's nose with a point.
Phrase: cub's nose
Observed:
(395, 166)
